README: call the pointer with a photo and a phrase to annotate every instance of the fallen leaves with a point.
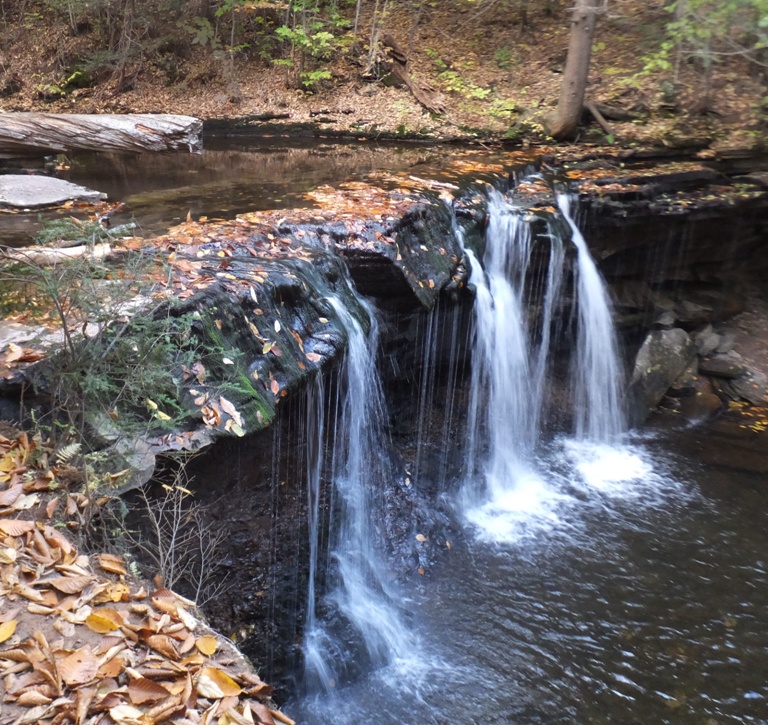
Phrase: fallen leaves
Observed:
(81, 643)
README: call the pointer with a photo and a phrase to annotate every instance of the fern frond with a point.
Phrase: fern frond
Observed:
(68, 452)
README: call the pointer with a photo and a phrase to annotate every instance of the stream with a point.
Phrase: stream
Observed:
(596, 576)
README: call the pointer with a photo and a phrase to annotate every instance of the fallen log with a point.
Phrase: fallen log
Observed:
(53, 132)
(42, 257)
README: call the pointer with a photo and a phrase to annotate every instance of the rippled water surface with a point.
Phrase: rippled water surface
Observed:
(628, 586)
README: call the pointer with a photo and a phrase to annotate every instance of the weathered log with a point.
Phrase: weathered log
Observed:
(422, 92)
(592, 108)
(52, 132)
(41, 256)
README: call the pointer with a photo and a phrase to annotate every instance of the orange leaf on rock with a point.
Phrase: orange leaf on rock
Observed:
(163, 644)
(79, 667)
(143, 690)
(70, 584)
(216, 683)
(112, 564)
(16, 527)
(96, 622)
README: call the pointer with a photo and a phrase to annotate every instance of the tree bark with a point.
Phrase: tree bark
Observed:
(563, 122)
(48, 132)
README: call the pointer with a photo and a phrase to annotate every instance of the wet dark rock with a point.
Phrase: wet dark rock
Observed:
(752, 386)
(700, 407)
(663, 356)
(685, 384)
(727, 342)
(721, 367)
(707, 340)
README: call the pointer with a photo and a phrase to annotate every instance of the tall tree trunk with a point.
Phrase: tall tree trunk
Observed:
(563, 122)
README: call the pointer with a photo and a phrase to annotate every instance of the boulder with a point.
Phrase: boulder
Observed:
(662, 358)
(721, 367)
(707, 340)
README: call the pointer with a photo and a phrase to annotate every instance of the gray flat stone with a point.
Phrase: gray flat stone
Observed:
(35, 192)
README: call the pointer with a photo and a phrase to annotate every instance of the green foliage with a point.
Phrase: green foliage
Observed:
(503, 58)
(706, 31)
(120, 366)
(72, 230)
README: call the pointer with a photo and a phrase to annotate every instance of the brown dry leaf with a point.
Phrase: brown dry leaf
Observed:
(143, 690)
(70, 584)
(32, 698)
(274, 386)
(421, 538)
(313, 357)
(10, 495)
(8, 556)
(7, 629)
(262, 712)
(27, 592)
(167, 605)
(85, 697)
(111, 563)
(207, 645)
(281, 717)
(163, 644)
(16, 527)
(79, 667)
(112, 668)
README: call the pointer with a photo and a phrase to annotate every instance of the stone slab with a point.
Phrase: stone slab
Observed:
(20, 191)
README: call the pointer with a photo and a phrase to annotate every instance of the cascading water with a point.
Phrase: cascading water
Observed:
(597, 388)
(358, 591)
(505, 483)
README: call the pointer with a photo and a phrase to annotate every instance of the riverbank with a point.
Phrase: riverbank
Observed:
(492, 73)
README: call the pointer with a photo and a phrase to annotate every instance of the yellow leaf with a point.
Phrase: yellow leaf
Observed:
(101, 625)
(214, 680)
(207, 645)
(151, 404)
(7, 629)
(161, 415)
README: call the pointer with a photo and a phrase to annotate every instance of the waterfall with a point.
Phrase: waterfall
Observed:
(360, 469)
(511, 357)
(597, 387)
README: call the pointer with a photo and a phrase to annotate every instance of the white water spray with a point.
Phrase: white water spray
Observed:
(360, 470)
(505, 487)
(597, 384)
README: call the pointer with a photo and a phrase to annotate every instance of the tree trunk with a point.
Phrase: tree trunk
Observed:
(43, 133)
(563, 122)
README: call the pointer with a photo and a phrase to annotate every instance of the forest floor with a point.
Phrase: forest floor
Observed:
(495, 77)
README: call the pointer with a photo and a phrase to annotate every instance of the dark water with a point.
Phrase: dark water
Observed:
(159, 190)
(631, 589)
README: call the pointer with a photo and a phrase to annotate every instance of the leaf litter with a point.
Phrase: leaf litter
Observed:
(81, 641)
